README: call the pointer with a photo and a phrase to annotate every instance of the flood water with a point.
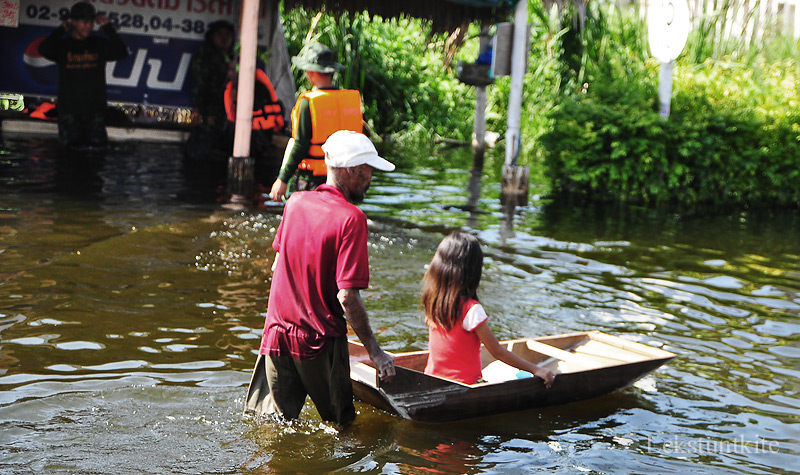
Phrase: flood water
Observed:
(132, 302)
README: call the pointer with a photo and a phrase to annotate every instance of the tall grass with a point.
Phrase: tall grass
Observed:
(406, 90)
(743, 29)
(565, 60)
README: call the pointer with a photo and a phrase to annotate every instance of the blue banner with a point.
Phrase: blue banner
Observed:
(160, 34)
(156, 72)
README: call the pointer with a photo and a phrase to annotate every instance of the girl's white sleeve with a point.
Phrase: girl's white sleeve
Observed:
(474, 317)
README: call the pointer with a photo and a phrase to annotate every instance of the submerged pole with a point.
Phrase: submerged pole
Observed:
(479, 131)
(240, 164)
(515, 179)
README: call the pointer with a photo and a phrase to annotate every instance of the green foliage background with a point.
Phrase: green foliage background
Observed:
(732, 138)
(590, 122)
(398, 67)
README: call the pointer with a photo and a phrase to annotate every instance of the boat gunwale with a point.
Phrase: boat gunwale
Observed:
(623, 344)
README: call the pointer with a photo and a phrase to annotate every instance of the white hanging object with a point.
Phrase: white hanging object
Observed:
(668, 26)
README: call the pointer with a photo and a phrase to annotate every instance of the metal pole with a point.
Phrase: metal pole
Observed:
(247, 74)
(518, 63)
(514, 188)
(241, 167)
(479, 131)
(665, 88)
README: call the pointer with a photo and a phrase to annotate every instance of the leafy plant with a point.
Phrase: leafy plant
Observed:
(716, 148)
(401, 79)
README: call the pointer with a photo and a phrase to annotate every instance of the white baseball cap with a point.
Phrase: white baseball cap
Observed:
(346, 149)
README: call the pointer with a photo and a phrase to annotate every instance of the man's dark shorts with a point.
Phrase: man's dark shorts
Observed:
(280, 384)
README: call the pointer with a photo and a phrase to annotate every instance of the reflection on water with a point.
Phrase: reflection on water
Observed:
(131, 305)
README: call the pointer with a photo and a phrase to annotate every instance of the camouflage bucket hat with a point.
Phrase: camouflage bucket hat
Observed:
(316, 57)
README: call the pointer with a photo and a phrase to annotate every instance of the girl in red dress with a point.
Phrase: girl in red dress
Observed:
(457, 322)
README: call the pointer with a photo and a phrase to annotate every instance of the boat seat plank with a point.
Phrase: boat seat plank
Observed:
(645, 350)
(609, 352)
(576, 361)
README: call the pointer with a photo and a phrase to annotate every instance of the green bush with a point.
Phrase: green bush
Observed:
(727, 141)
(732, 137)
(737, 128)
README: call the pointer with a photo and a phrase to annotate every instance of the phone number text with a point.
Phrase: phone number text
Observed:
(126, 21)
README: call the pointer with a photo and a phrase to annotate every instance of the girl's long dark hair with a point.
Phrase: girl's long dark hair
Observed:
(452, 278)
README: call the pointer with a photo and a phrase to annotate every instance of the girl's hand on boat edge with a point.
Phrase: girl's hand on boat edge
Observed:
(547, 375)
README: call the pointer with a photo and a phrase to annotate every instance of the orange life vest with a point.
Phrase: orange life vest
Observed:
(268, 116)
(41, 111)
(331, 110)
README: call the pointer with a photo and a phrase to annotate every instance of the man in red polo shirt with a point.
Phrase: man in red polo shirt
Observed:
(320, 266)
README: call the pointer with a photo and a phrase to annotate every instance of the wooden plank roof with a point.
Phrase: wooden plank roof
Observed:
(444, 15)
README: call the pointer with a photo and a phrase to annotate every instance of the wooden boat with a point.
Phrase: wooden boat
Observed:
(587, 365)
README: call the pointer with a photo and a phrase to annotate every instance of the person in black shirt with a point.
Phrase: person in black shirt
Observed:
(81, 58)
(212, 68)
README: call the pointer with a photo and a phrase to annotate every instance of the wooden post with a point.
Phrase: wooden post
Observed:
(240, 165)
(241, 178)
(512, 174)
(516, 182)
(479, 131)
